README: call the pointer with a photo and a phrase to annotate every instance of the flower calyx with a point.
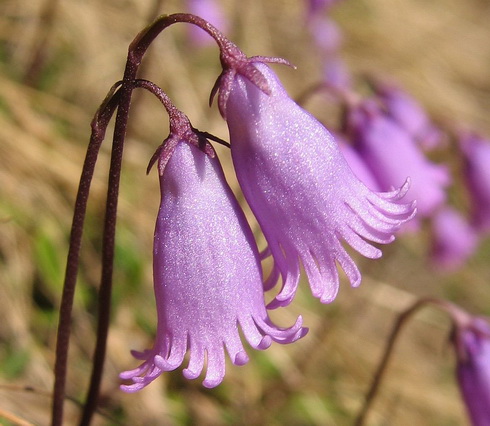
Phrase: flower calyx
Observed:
(234, 62)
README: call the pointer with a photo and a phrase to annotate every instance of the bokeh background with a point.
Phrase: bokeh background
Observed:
(58, 60)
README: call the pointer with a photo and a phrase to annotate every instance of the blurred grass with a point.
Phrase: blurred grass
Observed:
(438, 50)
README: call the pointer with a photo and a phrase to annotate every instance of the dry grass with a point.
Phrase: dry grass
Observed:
(438, 50)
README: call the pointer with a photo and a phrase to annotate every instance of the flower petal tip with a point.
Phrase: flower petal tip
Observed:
(265, 343)
(131, 388)
(241, 358)
(211, 383)
(190, 374)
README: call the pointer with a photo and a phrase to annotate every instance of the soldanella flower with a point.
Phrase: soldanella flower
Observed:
(454, 239)
(207, 274)
(476, 152)
(472, 343)
(299, 186)
(392, 155)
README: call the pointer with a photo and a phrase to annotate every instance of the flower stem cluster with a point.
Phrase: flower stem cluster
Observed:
(207, 272)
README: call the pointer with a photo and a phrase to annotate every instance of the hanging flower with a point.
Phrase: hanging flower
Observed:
(476, 152)
(392, 155)
(299, 186)
(454, 239)
(409, 114)
(207, 276)
(473, 368)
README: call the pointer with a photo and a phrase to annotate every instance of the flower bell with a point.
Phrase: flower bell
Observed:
(409, 115)
(299, 186)
(207, 272)
(473, 368)
(476, 151)
(392, 155)
(454, 239)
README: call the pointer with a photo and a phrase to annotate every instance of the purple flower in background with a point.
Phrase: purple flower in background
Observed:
(357, 164)
(454, 240)
(211, 11)
(392, 155)
(316, 7)
(472, 343)
(336, 74)
(299, 186)
(207, 276)
(476, 151)
(326, 34)
(409, 114)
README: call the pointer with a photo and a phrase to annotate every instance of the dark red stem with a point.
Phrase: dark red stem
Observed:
(136, 51)
(99, 125)
(458, 317)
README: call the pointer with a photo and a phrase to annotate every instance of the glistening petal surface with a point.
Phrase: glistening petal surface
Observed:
(303, 193)
(207, 276)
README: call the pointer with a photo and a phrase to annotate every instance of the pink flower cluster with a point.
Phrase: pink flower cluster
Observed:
(207, 271)
(312, 193)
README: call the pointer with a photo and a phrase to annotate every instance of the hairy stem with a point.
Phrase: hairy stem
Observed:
(136, 51)
(99, 125)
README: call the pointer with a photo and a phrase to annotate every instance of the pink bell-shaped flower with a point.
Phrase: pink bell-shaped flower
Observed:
(473, 369)
(409, 114)
(299, 186)
(207, 276)
(454, 239)
(476, 152)
(392, 155)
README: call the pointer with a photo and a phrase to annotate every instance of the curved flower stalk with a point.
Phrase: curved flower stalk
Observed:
(300, 188)
(473, 368)
(471, 340)
(207, 276)
(392, 155)
(454, 239)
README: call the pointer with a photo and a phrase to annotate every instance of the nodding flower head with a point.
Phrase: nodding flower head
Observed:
(409, 114)
(300, 188)
(454, 239)
(472, 343)
(476, 152)
(207, 275)
(392, 155)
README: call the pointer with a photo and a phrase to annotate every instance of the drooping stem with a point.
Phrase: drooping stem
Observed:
(141, 42)
(99, 125)
(457, 315)
(177, 117)
(108, 242)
